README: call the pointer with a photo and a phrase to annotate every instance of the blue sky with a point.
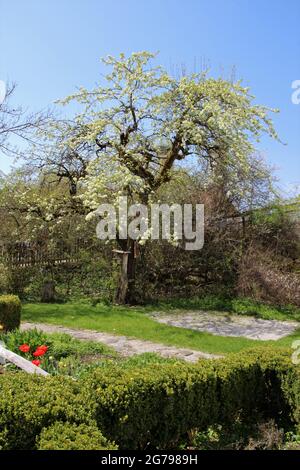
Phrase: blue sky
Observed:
(49, 47)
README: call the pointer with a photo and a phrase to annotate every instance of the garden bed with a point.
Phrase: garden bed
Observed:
(56, 353)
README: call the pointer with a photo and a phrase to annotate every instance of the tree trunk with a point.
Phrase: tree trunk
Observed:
(131, 267)
(126, 289)
(123, 280)
(48, 293)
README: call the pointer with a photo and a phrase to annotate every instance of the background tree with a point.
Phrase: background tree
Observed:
(45, 241)
(16, 122)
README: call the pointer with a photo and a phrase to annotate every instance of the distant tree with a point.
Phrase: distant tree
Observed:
(16, 122)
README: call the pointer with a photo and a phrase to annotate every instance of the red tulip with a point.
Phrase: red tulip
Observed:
(25, 348)
(36, 362)
(39, 352)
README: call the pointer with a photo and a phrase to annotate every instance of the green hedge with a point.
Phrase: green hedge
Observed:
(158, 404)
(67, 436)
(10, 312)
(151, 406)
(30, 403)
(260, 382)
(154, 404)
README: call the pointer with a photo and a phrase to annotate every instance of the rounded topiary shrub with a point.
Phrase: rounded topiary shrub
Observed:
(10, 312)
(67, 436)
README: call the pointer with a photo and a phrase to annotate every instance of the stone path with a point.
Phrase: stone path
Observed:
(223, 324)
(122, 344)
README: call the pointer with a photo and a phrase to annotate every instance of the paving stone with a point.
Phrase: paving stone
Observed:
(223, 324)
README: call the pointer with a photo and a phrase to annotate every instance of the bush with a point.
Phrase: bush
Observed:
(4, 278)
(10, 312)
(264, 276)
(30, 403)
(91, 275)
(33, 338)
(151, 405)
(256, 436)
(66, 436)
(156, 405)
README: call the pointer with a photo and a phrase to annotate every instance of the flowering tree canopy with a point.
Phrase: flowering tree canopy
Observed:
(143, 121)
(128, 136)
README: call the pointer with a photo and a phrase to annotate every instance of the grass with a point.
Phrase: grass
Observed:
(134, 322)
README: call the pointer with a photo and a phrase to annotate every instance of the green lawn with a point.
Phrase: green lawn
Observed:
(134, 322)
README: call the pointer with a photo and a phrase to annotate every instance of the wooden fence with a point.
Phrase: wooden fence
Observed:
(24, 254)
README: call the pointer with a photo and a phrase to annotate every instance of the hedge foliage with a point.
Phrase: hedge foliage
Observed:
(153, 406)
(30, 403)
(10, 312)
(158, 404)
(67, 436)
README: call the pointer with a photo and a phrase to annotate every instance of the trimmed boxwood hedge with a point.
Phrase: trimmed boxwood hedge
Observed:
(10, 312)
(158, 404)
(29, 403)
(67, 436)
(153, 406)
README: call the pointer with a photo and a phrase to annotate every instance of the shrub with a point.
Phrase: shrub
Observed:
(67, 436)
(157, 404)
(284, 391)
(152, 405)
(256, 436)
(91, 275)
(264, 276)
(10, 312)
(30, 403)
(61, 345)
(4, 278)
